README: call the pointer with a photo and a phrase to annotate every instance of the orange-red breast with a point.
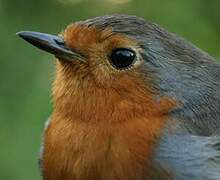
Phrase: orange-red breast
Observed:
(131, 102)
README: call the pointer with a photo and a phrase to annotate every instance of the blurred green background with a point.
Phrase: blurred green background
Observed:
(26, 73)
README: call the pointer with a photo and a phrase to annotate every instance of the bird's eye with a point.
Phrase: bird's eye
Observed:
(122, 58)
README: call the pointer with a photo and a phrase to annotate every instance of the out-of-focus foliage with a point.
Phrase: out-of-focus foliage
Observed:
(26, 73)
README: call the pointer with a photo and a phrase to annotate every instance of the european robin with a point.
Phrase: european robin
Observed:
(131, 101)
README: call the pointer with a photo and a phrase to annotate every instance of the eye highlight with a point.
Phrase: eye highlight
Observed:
(122, 58)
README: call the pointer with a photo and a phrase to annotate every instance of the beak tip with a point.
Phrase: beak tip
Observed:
(19, 33)
(28, 36)
(22, 34)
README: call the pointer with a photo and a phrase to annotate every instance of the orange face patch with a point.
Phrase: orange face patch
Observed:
(97, 45)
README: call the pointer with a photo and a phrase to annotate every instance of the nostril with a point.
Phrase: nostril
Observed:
(59, 41)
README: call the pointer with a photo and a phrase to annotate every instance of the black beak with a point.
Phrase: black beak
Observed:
(52, 44)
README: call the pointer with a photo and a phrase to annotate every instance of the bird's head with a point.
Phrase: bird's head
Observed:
(106, 61)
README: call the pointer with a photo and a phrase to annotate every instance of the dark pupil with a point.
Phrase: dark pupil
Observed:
(122, 58)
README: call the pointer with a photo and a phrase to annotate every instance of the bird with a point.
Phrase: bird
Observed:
(131, 101)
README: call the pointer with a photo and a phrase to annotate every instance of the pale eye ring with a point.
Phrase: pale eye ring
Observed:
(122, 58)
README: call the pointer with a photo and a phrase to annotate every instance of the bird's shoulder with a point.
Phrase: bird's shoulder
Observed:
(190, 156)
